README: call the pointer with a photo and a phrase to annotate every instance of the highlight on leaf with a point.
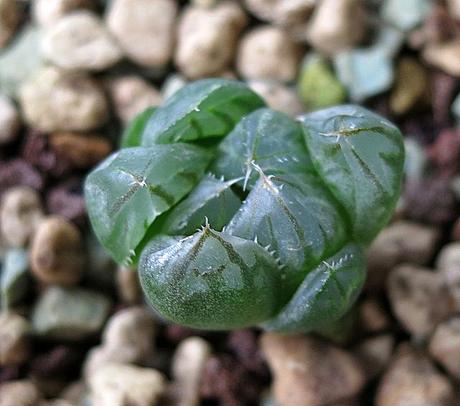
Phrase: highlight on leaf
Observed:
(238, 215)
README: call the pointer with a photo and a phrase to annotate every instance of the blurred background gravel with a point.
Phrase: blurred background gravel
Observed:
(74, 329)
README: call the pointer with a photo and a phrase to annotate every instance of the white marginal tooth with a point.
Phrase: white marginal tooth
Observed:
(255, 239)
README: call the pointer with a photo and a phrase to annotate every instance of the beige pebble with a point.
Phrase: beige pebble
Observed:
(336, 25)
(80, 41)
(445, 345)
(129, 337)
(374, 354)
(278, 96)
(412, 379)
(448, 262)
(207, 39)
(267, 52)
(48, 12)
(128, 286)
(121, 385)
(144, 29)
(304, 367)
(419, 298)
(372, 316)
(454, 8)
(9, 120)
(400, 242)
(445, 56)
(10, 16)
(131, 95)
(57, 100)
(19, 393)
(81, 150)
(56, 255)
(14, 344)
(21, 213)
(187, 370)
(281, 12)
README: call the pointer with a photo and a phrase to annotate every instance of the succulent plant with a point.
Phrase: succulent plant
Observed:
(238, 215)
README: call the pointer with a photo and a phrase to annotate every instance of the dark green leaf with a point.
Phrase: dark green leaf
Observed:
(132, 135)
(129, 190)
(325, 295)
(266, 138)
(295, 216)
(204, 109)
(212, 199)
(212, 280)
(360, 157)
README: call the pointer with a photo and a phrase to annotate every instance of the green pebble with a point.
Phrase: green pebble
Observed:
(69, 313)
(318, 86)
(14, 277)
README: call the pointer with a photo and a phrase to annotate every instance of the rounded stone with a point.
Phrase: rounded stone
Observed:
(48, 12)
(207, 39)
(10, 15)
(131, 95)
(57, 255)
(336, 25)
(57, 100)
(14, 346)
(80, 41)
(81, 150)
(268, 52)
(144, 29)
(120, 384)
(21, 212)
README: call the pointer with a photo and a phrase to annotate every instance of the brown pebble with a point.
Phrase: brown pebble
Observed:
(374, 354)
(412, 379)
(400, 242)
(308, 371)
(128, 286)
(57, 255)
(83, 151)
(373, 317)
(445, 345)
(14, 343)
(419, 298)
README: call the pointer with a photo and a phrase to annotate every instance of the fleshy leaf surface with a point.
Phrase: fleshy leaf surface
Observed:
(132, 135)
(359, 156)
(212, 280)
(296, 217)
(127, 192)
(205, 109)
(265, 138)
(325, 294)
(212, 199)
